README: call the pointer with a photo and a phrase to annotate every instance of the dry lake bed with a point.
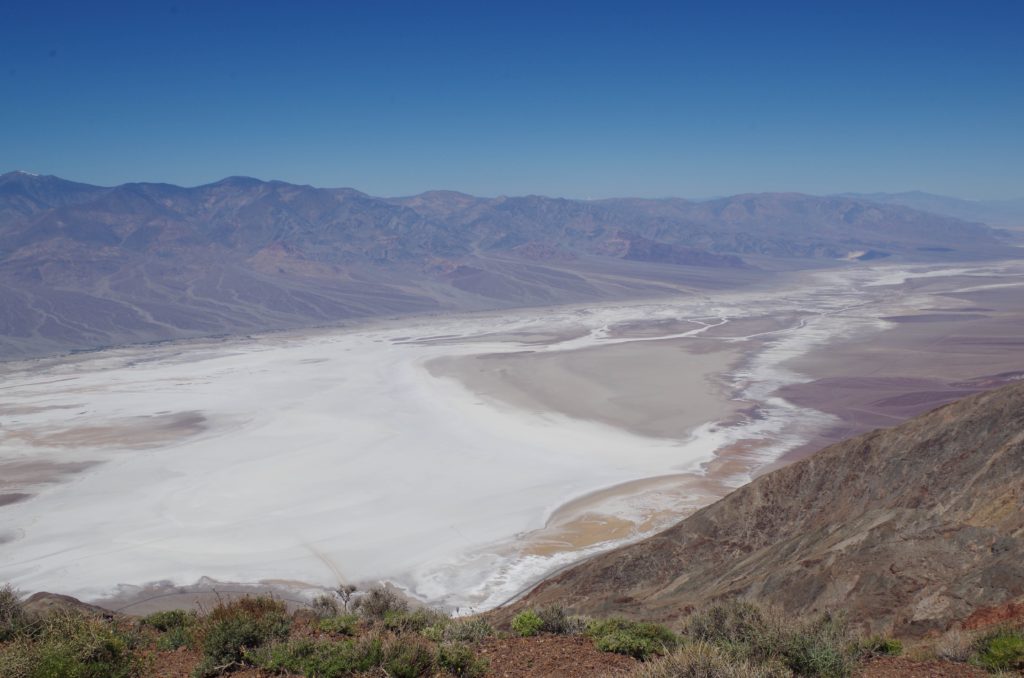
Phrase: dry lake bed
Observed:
(464, 457)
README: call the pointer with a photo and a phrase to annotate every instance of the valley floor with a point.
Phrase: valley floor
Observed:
(463, 458)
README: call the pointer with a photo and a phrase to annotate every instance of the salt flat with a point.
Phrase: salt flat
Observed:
(385, 452)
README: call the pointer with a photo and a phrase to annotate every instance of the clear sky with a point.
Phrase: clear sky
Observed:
(581, 99)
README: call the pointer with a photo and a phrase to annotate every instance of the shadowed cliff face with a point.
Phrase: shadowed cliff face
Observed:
(908, 529)
(86, 266)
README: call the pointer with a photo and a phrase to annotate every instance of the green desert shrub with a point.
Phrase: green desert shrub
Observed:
(341, 625)
(173, 639)
(175, 627)
(458, 659)
(376, 603)
(527, 623)
(881, 646)
(743, 628)
(406, 656)
(415, 621)
(1000, 650)
(72, 645)
(12, 615)
(555, 619)
(636, 639)
(819, 647)
(231, 628)
(325, 606)
(409, 656)
(706, 660)
(318, 657)
(170, 619)
(550, 619)
(471, 630)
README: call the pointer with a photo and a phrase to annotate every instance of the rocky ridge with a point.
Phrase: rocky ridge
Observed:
(909, 529)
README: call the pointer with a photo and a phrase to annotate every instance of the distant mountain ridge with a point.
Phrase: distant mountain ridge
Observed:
(86, 266)
(1000, 213)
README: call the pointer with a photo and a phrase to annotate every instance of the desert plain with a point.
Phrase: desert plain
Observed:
(464, 457)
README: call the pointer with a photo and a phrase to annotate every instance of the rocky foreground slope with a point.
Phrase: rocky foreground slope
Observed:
(909, 529)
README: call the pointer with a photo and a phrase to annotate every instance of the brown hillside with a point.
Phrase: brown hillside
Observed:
(908, 529)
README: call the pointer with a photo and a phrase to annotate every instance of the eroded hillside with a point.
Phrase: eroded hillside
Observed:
(908, 529)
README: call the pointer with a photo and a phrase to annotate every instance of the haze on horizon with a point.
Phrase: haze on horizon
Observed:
(574, 100)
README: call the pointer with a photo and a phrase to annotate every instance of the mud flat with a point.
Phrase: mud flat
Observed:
(302, 460)
(964, 334)
(661, 389)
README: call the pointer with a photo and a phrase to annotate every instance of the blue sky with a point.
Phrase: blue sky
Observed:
(583, 99)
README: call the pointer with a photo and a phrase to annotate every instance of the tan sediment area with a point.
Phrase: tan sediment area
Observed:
(590, 519)
(25, 473)
(20, 479)
(659, 388)
(134, 432)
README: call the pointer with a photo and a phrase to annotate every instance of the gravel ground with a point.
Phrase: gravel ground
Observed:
(552, 657)
(898, 667)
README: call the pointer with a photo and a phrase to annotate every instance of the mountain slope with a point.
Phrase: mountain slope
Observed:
(1001, 213)
(23, 195)
(908, 529)
(85, 266)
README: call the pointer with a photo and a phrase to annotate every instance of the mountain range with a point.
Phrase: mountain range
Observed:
(87, 266)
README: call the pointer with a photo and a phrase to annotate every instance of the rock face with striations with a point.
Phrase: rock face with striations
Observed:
(909, 529)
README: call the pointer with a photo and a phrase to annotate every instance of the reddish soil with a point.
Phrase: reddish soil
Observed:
(991, 616)
(181, 663)
(175, 664)
(898, 667)
(551, 657)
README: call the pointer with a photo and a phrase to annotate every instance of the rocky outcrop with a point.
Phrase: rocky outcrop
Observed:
(45, 603)
(909, 529)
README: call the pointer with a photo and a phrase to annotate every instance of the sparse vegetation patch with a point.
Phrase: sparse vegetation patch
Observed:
(821, 646)
(881, 646)
(706, 660)
(318, 657)
(72, 645)
(636, 639)
(734, 640)
(12, 616)
(231, 629)
(341, 625)
(377, 603)
(1000, 650)
(527, 623)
